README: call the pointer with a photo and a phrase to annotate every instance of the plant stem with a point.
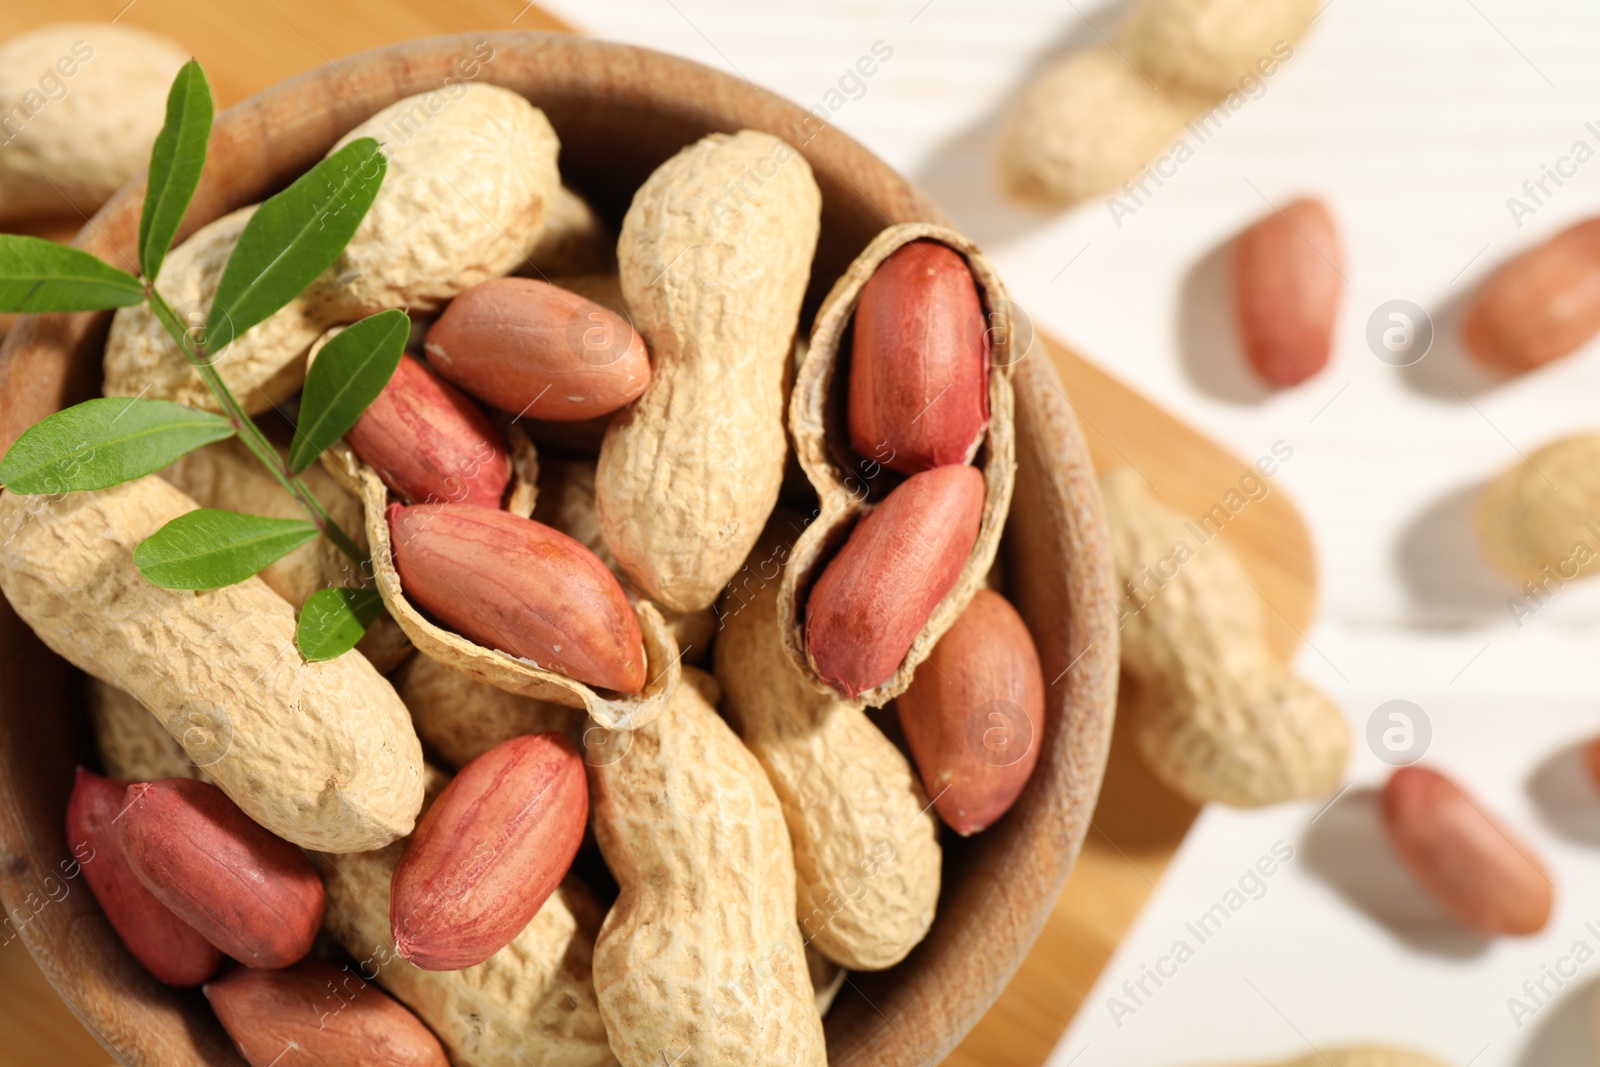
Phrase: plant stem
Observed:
(249, 432)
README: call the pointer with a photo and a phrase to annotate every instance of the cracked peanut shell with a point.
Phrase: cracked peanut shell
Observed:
(818, 423)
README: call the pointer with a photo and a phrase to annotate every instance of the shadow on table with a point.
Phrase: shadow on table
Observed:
(1443, 568)
(960, 173)
(1208, 340)
(1448, 372)
(1564, 795)
(1346, 848)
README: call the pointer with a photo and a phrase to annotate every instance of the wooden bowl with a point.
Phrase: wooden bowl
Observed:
(620, 112)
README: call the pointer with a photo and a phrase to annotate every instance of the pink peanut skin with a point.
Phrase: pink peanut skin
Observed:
(489, 852)
(429, 443)
(317, 1013)
(1540, 306)
(876, 595)
(519, 586)
(919, 362)
(1467, 861)
(539, 351)
(974, 714)
(169, 948)
(252, 895)
(1287, 283)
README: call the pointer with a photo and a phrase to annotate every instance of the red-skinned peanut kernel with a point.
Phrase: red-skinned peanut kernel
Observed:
(254, 896)
(429, 443)
(318, 1013)
(876, 595)
(919, 362)
(169, 948)
(974, 714)
(539, 351)
(489, 852)
(519, 586)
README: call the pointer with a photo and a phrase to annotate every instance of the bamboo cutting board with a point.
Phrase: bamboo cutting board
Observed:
(248, 46)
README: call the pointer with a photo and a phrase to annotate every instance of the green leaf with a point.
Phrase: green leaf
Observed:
(104, 442)
(294, 237)
(333, 620)
(175, 164)
(208, 549)
(347, 375)
(38, 275)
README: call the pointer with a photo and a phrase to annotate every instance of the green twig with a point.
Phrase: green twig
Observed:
(250, 433)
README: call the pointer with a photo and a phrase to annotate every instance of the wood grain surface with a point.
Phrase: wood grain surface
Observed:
(1137, 825)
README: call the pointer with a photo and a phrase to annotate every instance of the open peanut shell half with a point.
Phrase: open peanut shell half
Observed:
(819, 426)
(500, 669)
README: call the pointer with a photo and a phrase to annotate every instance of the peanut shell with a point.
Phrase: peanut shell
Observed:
(1209, 46)
(132, 743)
(71, 152)
(534, 1000)
(503, 670)
(462, 718)
(262, 368)
(690, 471)
(817, 424)
(866, 844)
(321, 754)
(1536, 519)
(699, 959)
(573, 240)
(468, 187)
(566, 502)
(1216, 716)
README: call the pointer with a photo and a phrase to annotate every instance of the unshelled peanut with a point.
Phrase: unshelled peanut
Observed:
(919, 367)
(262, 368)
(82, 103)
(1089, 122)
(1210, 46)
(700, 958)
(490, 151)
(316, 1012)
(866, 848)
(489, 852)
(227, 475)
(1217, 717)
(172, 950)
(253, 895)
(461, 718)
(1537, 519)
(1477, 870)
(1094, 118)
(566, 503)
(690, 471)
(132, 743)
(974, 715)
(573, 240)
(321, 754)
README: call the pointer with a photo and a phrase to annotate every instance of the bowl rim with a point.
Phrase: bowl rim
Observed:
(949, 981)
